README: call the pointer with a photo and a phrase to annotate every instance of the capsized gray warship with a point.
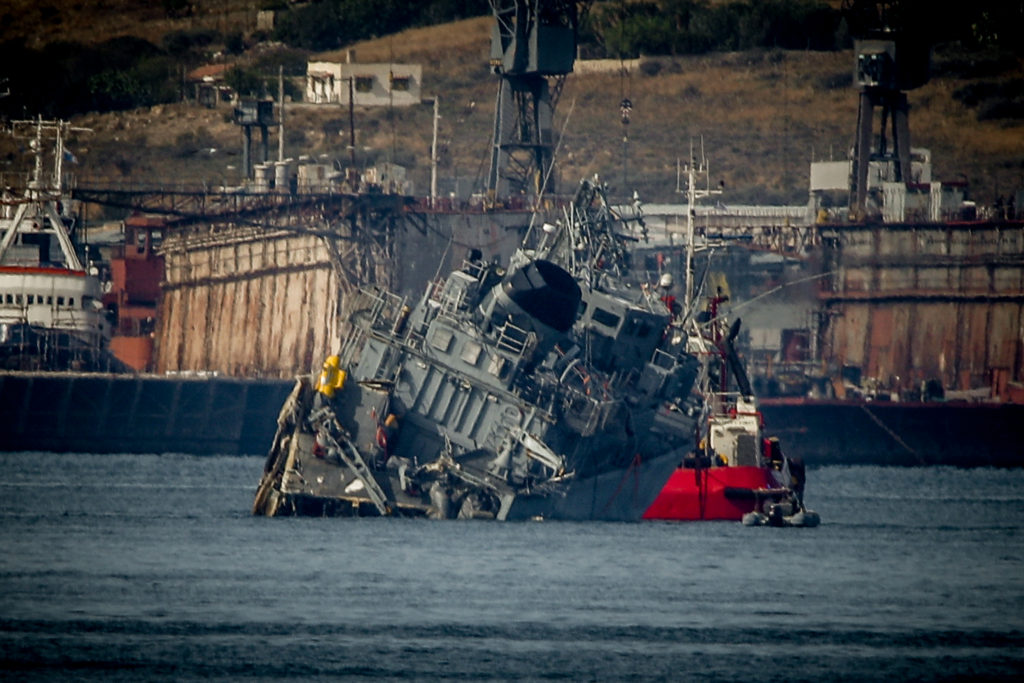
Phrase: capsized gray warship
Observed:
(536, 393)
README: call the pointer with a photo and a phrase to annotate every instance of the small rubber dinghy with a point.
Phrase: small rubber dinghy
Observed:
(783, 514)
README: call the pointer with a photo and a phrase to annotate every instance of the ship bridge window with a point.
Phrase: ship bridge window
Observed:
(606, 318)
(639, 328)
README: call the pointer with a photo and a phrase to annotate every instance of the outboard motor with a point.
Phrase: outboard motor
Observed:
(538, 297)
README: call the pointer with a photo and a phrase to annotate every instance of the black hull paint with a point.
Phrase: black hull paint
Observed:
(85, 413)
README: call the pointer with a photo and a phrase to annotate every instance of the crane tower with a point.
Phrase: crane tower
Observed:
(891, 58)
(533, 47)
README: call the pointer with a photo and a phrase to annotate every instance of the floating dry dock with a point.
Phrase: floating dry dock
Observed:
(99, 413)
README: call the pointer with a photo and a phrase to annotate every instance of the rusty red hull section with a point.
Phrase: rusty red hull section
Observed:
(909, 303)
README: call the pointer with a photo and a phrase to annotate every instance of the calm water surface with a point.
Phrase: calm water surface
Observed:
(150, 567)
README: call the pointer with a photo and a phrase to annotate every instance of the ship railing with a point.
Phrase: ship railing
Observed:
(384, 311)
(458, 291)
(719, 402)
(442, 299)
(452, 302)
(351, 344)
(477, 269)
(513, 339)
(372, 309)
(724, 403)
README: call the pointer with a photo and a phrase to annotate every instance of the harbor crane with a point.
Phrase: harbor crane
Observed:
(533, 48)
(891, 58)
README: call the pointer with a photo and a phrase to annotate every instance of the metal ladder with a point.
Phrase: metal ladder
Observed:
(350, 456)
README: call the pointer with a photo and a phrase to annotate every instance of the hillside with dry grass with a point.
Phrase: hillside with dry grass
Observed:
(39, 22)
(761, 116)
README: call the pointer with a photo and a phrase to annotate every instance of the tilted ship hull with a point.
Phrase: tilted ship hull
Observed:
(557, 390)
(480, 402)
(315, 483)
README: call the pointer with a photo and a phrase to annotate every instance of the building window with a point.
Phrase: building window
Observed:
(31, 299)
(364, 83)
(400, 83)
(71, 302)
(49, 300)
(60, 301)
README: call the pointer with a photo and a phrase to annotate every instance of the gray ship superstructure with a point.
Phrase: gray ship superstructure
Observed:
(531, 393)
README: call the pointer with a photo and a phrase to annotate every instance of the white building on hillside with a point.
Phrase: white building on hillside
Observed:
(371, 84)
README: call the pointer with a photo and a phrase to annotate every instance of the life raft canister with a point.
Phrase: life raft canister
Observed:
(332, 377)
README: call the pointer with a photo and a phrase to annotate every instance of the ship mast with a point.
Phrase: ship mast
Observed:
(41, 201)
(692, 195)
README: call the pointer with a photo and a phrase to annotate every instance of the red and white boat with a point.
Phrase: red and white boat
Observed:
(737, 472)
(51, 311)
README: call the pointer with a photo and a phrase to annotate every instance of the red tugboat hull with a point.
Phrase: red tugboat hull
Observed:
(725, 493)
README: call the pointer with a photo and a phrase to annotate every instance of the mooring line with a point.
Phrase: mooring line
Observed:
(894, 435)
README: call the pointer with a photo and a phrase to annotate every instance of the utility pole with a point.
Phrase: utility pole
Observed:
(433, 154)
(280, 102)
(351, 125)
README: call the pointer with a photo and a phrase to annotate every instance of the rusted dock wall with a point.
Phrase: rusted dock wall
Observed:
(246, 303)
(254, 302)
(926, 301)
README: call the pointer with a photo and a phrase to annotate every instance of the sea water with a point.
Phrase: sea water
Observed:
(119, 567)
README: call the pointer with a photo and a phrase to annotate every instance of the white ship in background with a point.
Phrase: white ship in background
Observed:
(51, 313)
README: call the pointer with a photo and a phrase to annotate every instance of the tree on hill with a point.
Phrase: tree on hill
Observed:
(330, 24)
